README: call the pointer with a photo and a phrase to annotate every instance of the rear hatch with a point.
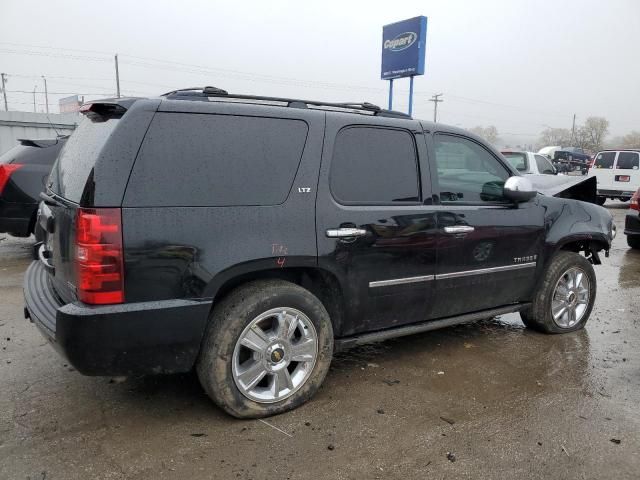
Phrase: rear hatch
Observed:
(69, 187)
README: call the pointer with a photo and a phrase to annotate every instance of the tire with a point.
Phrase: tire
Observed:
(600, 200)
(579, 300)
(243, 314)
(633, 241)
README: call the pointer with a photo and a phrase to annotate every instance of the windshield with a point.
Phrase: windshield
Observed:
(78, 157)
(517, 160)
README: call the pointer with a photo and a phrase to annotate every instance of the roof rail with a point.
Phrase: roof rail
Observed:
(353, 107)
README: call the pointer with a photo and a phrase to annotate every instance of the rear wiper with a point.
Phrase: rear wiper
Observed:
(49, 200)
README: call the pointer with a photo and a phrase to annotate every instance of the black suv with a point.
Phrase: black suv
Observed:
(250, 237)
(23, 173)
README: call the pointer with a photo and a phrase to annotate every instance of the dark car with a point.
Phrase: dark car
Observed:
(23, 172)
(251, 237)
(632, 221)
(568, 159)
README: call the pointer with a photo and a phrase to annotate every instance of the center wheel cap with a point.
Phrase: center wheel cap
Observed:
(277, 355)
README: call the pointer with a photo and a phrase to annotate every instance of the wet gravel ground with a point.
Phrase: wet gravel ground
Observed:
(487, 400)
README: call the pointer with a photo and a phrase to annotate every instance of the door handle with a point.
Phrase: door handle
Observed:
(459, 229)
(345, 232)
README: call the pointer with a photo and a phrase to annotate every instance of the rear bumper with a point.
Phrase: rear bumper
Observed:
(125, 339)
(632, 224)
(615, 193)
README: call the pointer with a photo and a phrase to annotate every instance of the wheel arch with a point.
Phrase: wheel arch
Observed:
(320, 282)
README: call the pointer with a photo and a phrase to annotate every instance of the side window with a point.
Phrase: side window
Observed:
(605, 160)
(467, 172)
(544, 166)
(373, 165)
(216, 160)
(628, 161)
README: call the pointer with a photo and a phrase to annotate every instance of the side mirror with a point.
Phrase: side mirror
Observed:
(519, 189)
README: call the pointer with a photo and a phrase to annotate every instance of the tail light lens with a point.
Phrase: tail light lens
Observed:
(635, 201)
(99, 257)
(6, 169)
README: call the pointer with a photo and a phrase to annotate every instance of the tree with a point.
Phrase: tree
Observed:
(631, 140)
(555, 137)
(593, 133)
(490, 133)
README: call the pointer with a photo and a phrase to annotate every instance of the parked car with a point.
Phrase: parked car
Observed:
(549, 151)
(23, 172)
(569, 159)
(251, 237)
(617, 173)
(632, 221)
(529, 163)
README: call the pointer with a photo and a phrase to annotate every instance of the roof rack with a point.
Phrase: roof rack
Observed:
(203, 93)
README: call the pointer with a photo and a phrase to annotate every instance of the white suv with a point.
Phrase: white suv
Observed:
(617, 173)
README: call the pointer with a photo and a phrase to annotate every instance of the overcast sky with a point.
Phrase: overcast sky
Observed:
(518, 65)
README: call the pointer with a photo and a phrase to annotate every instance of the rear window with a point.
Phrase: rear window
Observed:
(517, 160)
(605, 160)
(216, 160)
(30, 155)
(78, 157)
(628, 161)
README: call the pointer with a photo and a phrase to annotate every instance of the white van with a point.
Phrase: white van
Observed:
(617, 173)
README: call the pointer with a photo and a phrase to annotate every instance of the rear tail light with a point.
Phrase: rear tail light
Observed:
(99, 256)
(623, 178)
(6, 169)
(635, 201)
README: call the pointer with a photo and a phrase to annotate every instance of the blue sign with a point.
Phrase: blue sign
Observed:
(403, 48)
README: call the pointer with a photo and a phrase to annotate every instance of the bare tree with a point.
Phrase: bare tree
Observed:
(490, 133)
(593, 133)
(631, 140)
(555, 136)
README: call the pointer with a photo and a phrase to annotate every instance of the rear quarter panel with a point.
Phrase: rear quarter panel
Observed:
(189, 252)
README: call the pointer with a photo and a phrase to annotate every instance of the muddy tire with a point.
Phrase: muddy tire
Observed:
(267, 349)
(565, 296)
(633, 242)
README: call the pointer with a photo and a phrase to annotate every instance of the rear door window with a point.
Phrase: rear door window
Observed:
(32, 155)
(191, 159)
(373, 165)
(77, 158)
(605, 160)
(628, 161)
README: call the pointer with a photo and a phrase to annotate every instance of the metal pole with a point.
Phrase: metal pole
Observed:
(35, 87)
(46, 95)
(410, 94)
(391, 94)
(4, 91)
(573, 130)
(435, 99)
(117, 78)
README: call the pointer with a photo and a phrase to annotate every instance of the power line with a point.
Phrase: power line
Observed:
(436, 99)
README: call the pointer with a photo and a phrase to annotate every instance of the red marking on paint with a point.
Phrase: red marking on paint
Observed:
(280, 261)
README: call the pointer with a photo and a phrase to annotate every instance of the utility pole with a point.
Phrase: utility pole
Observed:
(117, 78)
(46, 95)
(4, 90)
(436, 99)
(35, 87)
(573, 130)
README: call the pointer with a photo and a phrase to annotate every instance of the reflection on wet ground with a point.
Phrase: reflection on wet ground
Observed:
(503, 401)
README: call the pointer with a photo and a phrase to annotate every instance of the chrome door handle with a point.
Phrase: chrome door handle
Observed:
(345, 232)
(459, 229)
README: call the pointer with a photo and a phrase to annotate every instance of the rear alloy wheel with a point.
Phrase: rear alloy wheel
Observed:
(267, 349)
(565, 297)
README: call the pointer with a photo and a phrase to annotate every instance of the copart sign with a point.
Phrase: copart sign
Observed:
(403, 48)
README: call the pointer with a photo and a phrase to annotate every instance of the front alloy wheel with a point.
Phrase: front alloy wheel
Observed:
(570, 298)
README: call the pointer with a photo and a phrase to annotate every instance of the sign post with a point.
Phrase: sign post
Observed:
(403, 53)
